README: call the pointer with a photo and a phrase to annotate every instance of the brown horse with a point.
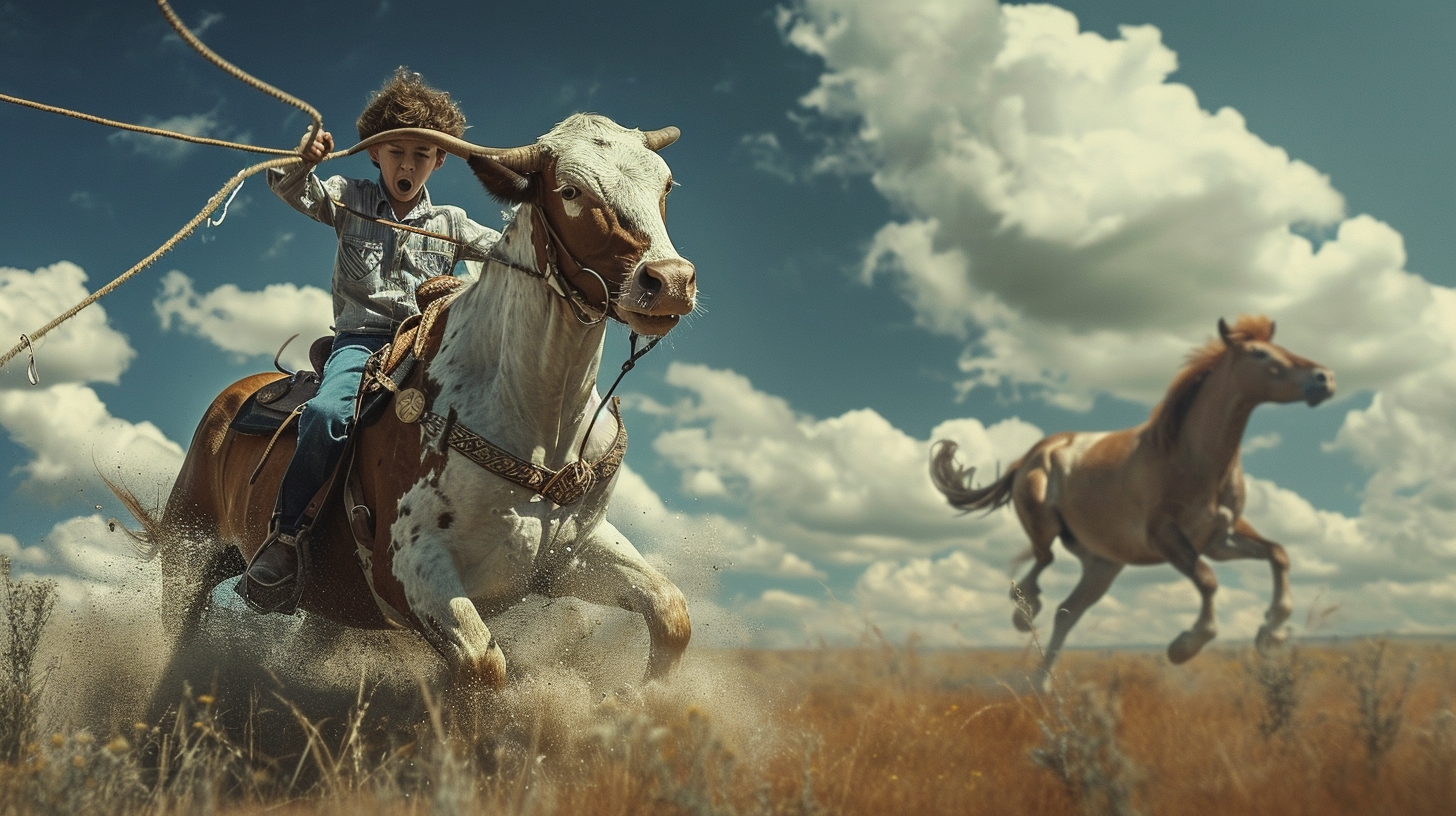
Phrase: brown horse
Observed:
(432, 539)
(1171, 489)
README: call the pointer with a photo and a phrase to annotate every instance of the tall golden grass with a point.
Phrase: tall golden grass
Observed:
(1357, 727)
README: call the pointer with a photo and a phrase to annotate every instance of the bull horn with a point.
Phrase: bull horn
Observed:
(658, 139)
(525, 159)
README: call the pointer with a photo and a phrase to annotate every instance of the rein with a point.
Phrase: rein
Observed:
(554, 277)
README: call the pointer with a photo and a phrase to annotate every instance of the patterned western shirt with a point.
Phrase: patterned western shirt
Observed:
(377, 268)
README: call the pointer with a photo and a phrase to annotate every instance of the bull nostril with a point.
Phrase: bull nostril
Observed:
(1321, 377)
(649, 283)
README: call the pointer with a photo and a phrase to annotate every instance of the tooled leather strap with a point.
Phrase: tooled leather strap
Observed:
(562, 486)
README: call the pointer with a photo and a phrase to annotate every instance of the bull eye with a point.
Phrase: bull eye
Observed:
(569, 192)
(1260, 354)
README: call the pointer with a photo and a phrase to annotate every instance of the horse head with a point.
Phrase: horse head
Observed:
(601, 191)
(1268, 372)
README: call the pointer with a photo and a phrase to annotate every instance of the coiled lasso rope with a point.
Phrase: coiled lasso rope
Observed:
(292, 158)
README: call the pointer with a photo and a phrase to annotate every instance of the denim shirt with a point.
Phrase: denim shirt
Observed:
(377, 268)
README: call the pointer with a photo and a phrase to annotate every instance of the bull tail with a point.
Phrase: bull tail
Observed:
(954, 481)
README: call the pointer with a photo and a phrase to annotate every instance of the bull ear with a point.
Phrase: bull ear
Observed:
(504, 184)
(1271, 330)
(1223, 331)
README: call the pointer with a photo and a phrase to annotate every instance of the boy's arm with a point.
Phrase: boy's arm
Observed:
(302, 189)
(477, 238)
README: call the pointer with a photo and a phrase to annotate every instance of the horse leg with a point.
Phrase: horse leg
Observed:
(1042, 525)
(1098, 574)
(439, 601)
(1175, 546)
(1244, 542)
(608, 570)
(191, 570)
(187, 588)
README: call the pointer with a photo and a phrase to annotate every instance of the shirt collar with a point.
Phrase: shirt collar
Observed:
(422, 209)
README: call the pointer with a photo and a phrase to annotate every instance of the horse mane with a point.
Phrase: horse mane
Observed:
(1169, 415)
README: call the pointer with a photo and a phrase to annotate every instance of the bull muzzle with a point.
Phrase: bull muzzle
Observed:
(658, 294)
(663, 287)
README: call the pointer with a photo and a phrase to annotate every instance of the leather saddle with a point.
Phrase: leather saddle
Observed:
(270, 406)
(418, 337)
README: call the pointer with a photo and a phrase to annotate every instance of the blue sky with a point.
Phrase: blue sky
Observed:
(933, 218)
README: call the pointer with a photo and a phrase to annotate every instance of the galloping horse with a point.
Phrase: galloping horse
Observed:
(1171, 489)
(442, 538)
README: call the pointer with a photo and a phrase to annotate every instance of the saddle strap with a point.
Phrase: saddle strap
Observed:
(562, 486)
(292, 415)
(361, 525)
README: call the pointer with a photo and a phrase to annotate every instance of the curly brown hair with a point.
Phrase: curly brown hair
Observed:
(406, 100)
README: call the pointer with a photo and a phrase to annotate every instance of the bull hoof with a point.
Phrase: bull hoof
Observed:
(493, 668)
(1270, 638)
(1184, 647)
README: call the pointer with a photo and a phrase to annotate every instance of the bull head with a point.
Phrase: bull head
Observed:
(618, 231)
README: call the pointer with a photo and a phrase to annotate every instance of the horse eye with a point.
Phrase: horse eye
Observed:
(1260, 354)
(569, 192)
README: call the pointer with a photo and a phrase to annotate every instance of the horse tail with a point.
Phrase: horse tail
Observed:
(953, 481)
(148, 540)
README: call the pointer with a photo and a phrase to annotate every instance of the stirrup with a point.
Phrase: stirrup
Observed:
(282, 597)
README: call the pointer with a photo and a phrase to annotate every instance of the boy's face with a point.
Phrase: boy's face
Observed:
(405, 165)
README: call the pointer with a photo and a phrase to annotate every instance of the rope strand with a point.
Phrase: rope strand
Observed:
(234, 71)
(86, 117)
(212, 204)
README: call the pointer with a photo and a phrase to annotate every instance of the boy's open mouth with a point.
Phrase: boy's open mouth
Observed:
(404, 185)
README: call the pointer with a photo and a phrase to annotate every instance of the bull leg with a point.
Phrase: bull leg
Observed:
(1098, 574)
(1174, 545)
(1042, 525)
(438, 600)
(608, 570)
(1244, 542)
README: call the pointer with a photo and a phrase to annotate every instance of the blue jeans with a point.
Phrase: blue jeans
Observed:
(324, 426)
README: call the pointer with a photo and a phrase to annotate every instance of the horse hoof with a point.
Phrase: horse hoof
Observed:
(1184, 647)
(1270, 638)
(1025, 613)
(1021, 620)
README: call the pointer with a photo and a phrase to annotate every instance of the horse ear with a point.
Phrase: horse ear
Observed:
(1223, 331)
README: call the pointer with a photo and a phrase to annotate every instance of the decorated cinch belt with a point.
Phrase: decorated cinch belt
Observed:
(562, 486)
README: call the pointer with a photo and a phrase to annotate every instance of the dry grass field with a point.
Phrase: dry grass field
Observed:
(1329, 728)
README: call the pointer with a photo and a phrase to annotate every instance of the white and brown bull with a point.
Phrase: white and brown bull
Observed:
(517, 365)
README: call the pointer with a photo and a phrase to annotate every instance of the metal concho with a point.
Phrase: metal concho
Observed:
(409, 405)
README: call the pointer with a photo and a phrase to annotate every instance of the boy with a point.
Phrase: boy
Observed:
(376, 270)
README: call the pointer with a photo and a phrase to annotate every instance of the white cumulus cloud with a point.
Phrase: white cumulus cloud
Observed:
(1080, 219)
(248, 322)
(72, 435)
(843, 490)
(83, 349)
